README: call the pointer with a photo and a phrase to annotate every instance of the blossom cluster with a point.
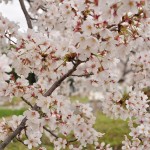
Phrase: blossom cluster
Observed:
(78, 44)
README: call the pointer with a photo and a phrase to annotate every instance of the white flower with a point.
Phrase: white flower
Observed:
(33, 141)
(31, 114)
(88, 27)
(15, 122)
(60, 144)
(143, 129)
(128, 6)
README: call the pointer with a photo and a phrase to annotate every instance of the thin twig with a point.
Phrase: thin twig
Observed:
(18, 139)
(82, 75)
(33, 18)
(71, 141)
(10, 39)
(27, 102)
(50, 132)
(43, 8)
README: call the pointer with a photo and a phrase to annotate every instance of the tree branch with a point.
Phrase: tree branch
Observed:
(57, 83)
(50, 132)
(27, 102)
(43, 8)
(18, 139)
(35, 107)
(10, 39)
(27, 16)
(13, 135)
(74, 140)
(82, 75)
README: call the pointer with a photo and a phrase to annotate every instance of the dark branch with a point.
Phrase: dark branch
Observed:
(74, 140)
(70, 141)
(43, 8)
(18, 139)
(27, 102)
(82, 75)
(10, 39)
(57, 83)
(50, 132)
(13, 135)
(27, 16)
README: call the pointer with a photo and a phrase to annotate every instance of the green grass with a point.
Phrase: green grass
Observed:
(5, 112)
(114, 130)
(81, 99)
(19, 146)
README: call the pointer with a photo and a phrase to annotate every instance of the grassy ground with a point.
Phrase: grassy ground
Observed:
(19, 146)
(114, 129)
(4, 112)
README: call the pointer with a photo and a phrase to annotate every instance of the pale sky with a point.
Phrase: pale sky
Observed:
(14, 13)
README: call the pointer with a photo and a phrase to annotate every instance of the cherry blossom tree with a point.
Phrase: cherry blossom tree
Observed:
(102, 45)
